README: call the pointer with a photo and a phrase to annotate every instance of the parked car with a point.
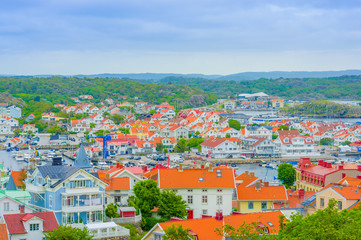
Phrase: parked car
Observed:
(137, 158)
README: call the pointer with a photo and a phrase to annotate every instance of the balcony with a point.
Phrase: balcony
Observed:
(104, 230)
(125, 220)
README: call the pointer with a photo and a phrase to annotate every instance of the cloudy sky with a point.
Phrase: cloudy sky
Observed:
(179, 36)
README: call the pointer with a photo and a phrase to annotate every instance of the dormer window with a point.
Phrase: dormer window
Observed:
(286, 140)
(34, 227)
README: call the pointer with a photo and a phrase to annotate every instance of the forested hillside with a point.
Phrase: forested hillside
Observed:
(346, 87)
(60, 89)
(324, 109)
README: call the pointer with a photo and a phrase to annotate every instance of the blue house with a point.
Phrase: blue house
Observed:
(73, 194)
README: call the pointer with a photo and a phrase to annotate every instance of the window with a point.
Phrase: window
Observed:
(219, 190)
(322, 202)
(39, 180)
(190, 199)
(264, 205)
(34, 227)
(50, 201)
(79, 183)
(190, 190)
(250, 205)
(219, 200)
(204, 211)
(340, 205)
(6, 207)
(204, 190)
(204, 199)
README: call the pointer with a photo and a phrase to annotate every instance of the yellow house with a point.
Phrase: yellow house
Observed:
(259, 197)
(346, 196)
(141, 133)
(51, 117)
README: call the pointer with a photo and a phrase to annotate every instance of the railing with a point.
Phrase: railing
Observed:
(125, 220)
(117, 233)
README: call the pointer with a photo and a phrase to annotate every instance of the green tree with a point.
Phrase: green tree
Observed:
(328, 223)
(283, 127)
(159, 147)
(287, 174)
(152, 112)
(147, 196)
(228, 135)
(118, 118)
(172, 205)
(112, 211)
(64, 232)
(346, 143)
(181, 146)
(326, 141)
(250, 231)
(176, 233)
(17, 132)
(194, 142)
(274, 136)
(234, 124)
(92, 125)
(124, 130)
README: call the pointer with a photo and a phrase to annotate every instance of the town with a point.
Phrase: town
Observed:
(133, 170)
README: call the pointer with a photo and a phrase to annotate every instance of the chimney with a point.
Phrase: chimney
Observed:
(210, 168)
(251, 174)
(258, 185)
(301, 193)
(329, 165)
(202, 166)
(219, 216)
(292, 188)
(358, 177)
(342, 162)
(246, 173)
(180, 169)
(320, 162)
(343, 175)
(340, 167)
(325, 164)
(22, 208)
(266, 184)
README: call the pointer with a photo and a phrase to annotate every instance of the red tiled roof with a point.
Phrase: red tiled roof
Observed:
(15, 224)
(213, 142)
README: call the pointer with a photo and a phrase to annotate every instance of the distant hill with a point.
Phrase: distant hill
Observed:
(58, 89)
(291, 74)
(154, 77)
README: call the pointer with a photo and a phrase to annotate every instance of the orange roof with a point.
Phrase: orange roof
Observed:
(196, 178)
(16, 177)
(351, 181)
(205, 228)
(122, 183)
(295, 199)
(270, 193)
(245, 179)
(3, 232)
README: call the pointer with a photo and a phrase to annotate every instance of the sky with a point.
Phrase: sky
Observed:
(178, 36)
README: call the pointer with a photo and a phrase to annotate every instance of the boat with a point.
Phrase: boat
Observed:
(8, 149)
(102, 164)
(19, 157)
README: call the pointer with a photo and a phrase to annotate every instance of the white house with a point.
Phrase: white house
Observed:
(30, 225)
(206, 191)
(296, 145)
(220, 148)
(9, 205)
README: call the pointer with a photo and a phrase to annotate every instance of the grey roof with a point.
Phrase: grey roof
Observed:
(82, 160)
(255, 127)
(309, 200)
(57, 172)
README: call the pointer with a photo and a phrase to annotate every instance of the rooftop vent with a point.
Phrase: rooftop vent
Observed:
(218, 170)
(219, 175)
(201, 179)
(270, 224)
